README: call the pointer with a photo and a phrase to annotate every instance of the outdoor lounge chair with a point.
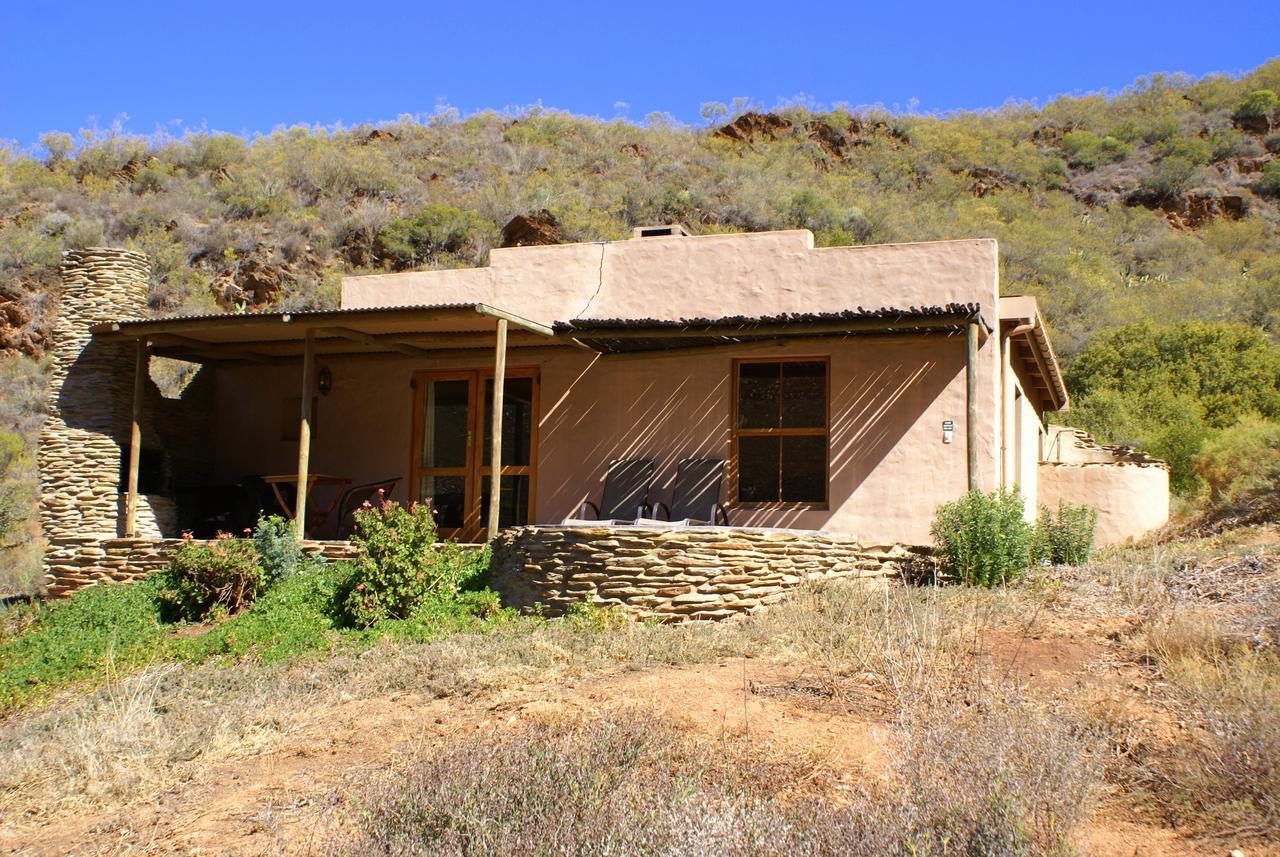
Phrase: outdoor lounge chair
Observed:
(695, 498)
(626, 492)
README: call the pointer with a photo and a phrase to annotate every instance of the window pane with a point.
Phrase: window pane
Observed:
(804, 469)
(804, 395)
(513, 505)
(758, 469)
(517, 421)
(447, 496)
(758, 390)
(445, 424)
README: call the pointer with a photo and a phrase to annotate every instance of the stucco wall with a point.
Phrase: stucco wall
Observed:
(889, 397)
(1131, 499)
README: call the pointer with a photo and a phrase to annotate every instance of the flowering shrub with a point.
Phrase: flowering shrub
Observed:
(202, 576)
(400, 567)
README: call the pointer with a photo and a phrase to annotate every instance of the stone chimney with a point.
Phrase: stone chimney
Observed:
(90, 395)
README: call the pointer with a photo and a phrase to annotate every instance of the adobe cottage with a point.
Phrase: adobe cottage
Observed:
(828, 399)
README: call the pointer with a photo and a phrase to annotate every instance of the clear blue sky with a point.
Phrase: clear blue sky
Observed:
(251, 66)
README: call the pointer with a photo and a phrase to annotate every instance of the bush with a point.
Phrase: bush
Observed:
(1170, 176)
(984, 538)
(1270, 181)
(1087, 149)
(1064, 536)
(1258, 104)
(296, 617)
(435, 234)
(222, 574)
(401, 565)
(1240, 467)
(279, 552)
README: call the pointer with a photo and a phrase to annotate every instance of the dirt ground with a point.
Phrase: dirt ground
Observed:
(280, 801)
(285, 799)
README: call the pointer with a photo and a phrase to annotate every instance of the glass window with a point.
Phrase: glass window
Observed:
(780, 429)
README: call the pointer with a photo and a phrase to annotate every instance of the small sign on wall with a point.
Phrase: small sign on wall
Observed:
(948, 428)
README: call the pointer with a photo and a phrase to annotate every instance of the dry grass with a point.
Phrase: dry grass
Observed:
(1002, 780)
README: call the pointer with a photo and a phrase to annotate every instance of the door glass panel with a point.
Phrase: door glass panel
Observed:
(447, 496)
(444, 442)
(517, 422)
(513, 504)
(758, 469)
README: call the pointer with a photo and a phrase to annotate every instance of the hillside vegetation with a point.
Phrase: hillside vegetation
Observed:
(1154, 205)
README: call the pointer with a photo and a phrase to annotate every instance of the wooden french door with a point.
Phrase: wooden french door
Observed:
(452, 436)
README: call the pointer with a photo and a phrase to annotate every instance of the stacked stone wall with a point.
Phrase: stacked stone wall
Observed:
(76, 563)
(90, 394)
(676, 574)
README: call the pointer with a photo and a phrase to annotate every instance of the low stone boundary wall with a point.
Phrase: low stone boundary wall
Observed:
(678, 573)
(72, 564)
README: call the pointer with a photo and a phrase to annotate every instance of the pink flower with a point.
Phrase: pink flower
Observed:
(247, 531)
(186, 535)
(360, 586)
(366, 505)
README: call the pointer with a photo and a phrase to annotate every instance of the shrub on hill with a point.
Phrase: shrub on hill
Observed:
(1240, 467)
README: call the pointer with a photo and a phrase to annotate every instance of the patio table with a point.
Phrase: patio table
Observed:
(313, 479)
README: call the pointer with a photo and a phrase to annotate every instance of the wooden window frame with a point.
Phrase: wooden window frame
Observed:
(474, 471)
(736, 432)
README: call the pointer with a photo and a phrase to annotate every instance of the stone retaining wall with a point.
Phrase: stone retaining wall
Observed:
(678, 573)
(72, 564)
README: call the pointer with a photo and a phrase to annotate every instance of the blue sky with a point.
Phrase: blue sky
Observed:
(251, 66)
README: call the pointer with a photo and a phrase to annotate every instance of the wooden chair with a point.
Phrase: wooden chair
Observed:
(356, 496)
(626, 492)
(695, 498)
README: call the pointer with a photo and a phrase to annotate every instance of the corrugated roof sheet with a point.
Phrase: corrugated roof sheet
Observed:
(859, 314)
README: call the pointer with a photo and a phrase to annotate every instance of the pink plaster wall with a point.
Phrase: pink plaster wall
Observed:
(1131, 499)
(889, 396)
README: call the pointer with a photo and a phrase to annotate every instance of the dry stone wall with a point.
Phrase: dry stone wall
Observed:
(678, 573)
(90, 394)
(76, 563)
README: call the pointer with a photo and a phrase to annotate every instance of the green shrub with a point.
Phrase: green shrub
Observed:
(401, 565)
(1087, 149)
(1064, 536)
(1258, 104)
(984, 539)
(278, 549)
(1269, 183)
(433, 235)
(298, 616)
(90, 632)
(1240, 467)
(1171, 176)
(222, 574)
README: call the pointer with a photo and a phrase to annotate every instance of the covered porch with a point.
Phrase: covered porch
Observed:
(403, 399)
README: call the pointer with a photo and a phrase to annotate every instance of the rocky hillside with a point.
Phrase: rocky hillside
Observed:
(1160, 202)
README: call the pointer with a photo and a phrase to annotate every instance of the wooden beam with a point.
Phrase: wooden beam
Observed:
(304, 436)
(376, 341)
(495, 449)
(526, 324)
(871, 325)
(971, 395)
(217, 349)
(135, 439)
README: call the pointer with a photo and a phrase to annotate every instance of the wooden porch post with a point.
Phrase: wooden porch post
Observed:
(495, 449)
(304, 435)
(971, 420)
(135, 439)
